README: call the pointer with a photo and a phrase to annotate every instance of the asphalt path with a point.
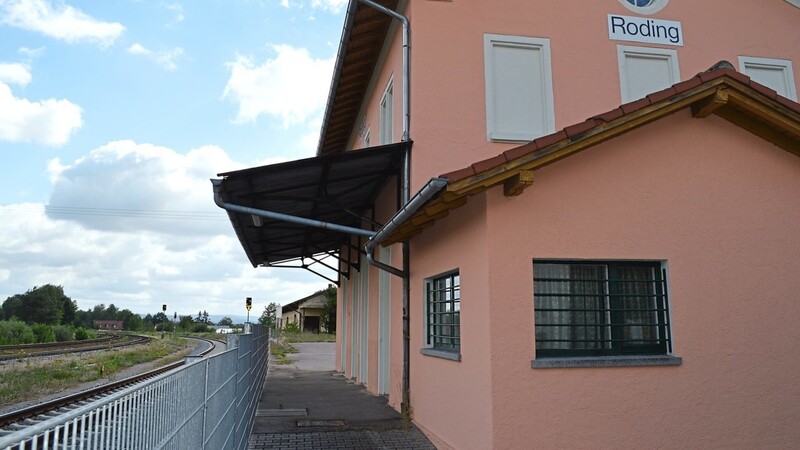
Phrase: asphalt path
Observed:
(314, 356)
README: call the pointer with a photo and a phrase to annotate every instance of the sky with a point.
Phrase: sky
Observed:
(114, 114)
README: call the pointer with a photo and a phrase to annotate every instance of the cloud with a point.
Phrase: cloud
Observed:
(59, 21)
(333, 6)
(292, 86)
(101, 239)
(15, 73)
(125, 186)
(164, 58)
(50, 122)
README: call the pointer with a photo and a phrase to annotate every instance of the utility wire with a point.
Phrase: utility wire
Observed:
(115, 212)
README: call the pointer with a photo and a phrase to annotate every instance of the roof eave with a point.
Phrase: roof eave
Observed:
(723, 92)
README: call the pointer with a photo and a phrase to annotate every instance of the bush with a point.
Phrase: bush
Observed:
(63, 334)
(81, 334)
(200, 328)
(291, 327)
(14, 332)
(43, 332)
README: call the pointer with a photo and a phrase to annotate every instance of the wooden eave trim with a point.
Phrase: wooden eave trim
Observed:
(726, 97)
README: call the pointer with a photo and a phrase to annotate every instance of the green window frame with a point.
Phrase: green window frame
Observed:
(443, 312)
(601, 308)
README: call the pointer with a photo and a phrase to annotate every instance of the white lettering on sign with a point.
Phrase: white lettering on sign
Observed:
(639, 29)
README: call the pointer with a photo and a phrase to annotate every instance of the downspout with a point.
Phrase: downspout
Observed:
(405, 405)
(217, 184)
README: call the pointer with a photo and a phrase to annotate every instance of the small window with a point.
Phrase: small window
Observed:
(443, 313)
(645, 6)
(519, 88)
(644, 70)
(386, 130)
(776, 74)
(600, 308)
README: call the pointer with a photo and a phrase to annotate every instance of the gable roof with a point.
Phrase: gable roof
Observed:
(365, 30)
(720, 90)
(316, 300)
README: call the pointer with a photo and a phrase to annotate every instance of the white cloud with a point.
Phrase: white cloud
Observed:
(59, 21)
(125, 186)
(333, 6)
(15, 73)
(133, 261)
(164, 58)
(285, 3)
(49, 122)
(292, 86)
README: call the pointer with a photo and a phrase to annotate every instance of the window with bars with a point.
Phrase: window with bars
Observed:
(599, 308)
(443, 309)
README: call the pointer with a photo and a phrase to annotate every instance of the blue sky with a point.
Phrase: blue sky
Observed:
(114, 115)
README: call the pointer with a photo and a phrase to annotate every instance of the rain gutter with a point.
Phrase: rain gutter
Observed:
(217, 183)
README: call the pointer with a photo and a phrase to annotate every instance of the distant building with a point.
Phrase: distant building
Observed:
(109, 325)
(305, 312)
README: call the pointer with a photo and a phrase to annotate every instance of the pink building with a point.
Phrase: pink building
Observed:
(544, 280)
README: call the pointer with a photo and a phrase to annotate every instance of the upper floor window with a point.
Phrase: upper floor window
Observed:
(776, 74)
(644, 70)
(443, 316)
(599, 308)
(519, 88)
(386, 124)
(645, 6)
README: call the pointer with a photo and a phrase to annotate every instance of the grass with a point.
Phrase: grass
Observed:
(279, 349)
(33, 380)
(307, 337)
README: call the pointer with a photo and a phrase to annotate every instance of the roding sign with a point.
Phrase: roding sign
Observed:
(640, 29)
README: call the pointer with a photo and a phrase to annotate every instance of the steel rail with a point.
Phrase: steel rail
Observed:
(60, 348)
(16, 418)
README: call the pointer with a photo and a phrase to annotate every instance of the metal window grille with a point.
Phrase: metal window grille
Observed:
(600, 308)
(443, 298)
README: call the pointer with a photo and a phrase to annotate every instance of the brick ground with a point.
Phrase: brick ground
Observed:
(351, 440)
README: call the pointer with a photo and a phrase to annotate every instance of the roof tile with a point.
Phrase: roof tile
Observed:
(710, 75)
(656, 97)
(794, 106)
(628, 108)
(490, 163)
(550, 139)
(459, 174)
(580, 128)
(684, 86)
(771, 93)
(609, 116)
(522, 150)
(740, 77)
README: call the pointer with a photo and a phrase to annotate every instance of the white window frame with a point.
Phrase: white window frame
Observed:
(543, 44)
(653, 52)
(386, 127)
(654, 7)
(781, 64)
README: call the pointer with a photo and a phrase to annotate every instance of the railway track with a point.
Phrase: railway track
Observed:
(8, 352)
(30, 416)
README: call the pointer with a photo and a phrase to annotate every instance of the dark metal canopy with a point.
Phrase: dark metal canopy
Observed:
(339, 188)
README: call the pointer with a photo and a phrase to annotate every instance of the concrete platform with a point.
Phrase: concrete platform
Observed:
(307, 405)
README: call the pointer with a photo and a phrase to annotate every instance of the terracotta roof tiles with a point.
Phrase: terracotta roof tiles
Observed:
(721, 69)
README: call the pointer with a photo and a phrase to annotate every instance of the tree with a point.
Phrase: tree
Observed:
(269, 316)
(186, 323)
(328, 317)
(45, 304)
(225, 322)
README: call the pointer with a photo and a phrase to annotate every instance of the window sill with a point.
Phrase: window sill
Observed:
(607, 361)
(441, 354)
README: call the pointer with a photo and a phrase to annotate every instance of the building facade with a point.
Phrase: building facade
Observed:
(620, 281)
